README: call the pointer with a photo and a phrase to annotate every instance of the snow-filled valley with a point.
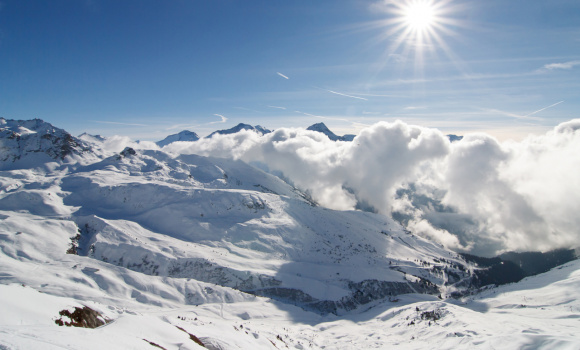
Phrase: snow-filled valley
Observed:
(183, 251)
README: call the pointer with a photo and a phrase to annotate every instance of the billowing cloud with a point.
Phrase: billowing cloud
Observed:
(116, 144)
(476, 195)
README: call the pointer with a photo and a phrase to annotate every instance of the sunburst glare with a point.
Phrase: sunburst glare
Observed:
(416, 27)
(420, 15)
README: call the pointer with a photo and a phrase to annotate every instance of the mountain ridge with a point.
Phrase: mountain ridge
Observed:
(241, 126)
(176, 250)
(227, 204)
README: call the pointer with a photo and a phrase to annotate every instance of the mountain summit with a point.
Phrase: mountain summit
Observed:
(259, 129)
(25, 143)
(184, 135)
(321, 127)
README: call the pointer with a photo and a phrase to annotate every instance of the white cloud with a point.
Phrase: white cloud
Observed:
(565, 65)
(223, 119)
(116, 144)
(476, 194)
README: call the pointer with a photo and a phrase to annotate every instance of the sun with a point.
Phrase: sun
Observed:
(419, 15)
(418, 28)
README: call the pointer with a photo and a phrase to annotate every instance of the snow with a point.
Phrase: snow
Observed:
(172, 248)
(497, 319)
(241, 126)
(185, 135)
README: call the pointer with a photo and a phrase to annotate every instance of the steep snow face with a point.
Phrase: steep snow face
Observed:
(184, 135)
(28, 143)
(259, 129)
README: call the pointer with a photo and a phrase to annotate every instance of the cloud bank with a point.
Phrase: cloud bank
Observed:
(476, 195)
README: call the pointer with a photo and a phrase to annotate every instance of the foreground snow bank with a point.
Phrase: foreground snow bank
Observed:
(541, 312)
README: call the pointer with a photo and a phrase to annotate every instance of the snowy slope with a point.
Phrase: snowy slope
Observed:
(245, 229)
(238, 259)
(540, 312)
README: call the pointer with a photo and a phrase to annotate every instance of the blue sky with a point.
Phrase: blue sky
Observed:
(147, 68)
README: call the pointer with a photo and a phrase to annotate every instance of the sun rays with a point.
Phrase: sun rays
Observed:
(417, 27)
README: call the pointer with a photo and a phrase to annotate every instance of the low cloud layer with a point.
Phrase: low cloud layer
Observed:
(475, 195)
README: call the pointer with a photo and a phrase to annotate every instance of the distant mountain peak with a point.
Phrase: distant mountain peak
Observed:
(241, 126)
(454, 138)
(322, 128)
(184, 135)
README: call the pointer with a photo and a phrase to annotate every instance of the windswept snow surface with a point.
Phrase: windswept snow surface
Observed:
(182, 250)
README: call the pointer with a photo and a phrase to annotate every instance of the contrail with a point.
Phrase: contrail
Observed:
(282, 75)
(509, 114)
(539, 110)
(341, 94)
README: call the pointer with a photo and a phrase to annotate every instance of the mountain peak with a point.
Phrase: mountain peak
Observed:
(454, 138)
(184, 135)
(318, 127)
(322, 128)
(36, 142)
(241, 126)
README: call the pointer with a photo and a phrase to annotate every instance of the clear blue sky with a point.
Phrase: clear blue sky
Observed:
(148, 68)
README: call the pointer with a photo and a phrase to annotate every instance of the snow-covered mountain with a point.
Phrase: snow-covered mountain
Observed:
(184, 135)
(176, 251)
(322, 128)
(27, 143)
(229, 224)
(259, 129)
